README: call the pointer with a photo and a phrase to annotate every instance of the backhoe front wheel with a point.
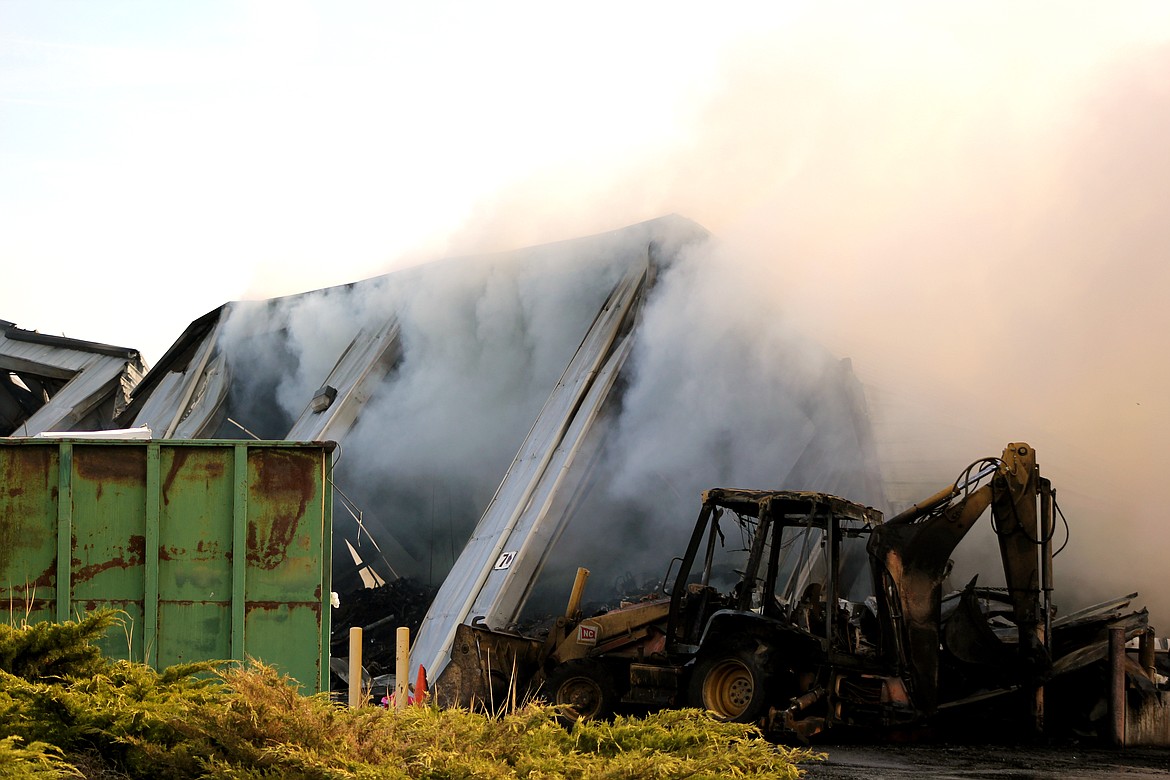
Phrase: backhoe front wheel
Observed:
(581, 689)
(730, 685)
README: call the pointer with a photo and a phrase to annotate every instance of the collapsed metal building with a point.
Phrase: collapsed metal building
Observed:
(505, 417)
(431, 378)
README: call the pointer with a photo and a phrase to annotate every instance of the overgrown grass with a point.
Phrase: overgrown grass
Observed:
(69, 712)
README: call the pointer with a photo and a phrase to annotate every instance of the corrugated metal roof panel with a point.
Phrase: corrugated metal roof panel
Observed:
(81, 377)
(40, 359)
(97, 381)
(185, 397)
(365, 362)
(497, 568)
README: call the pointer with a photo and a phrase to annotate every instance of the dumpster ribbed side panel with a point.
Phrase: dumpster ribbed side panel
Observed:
(195, 554)
(28, 531)
(283, 587)
(108, 545)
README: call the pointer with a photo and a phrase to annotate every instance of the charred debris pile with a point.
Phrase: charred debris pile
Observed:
(379, 612)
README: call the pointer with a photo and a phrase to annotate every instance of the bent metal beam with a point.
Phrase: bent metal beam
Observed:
(493, 575)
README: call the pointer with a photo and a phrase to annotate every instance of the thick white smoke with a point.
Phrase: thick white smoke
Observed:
(723, 390)
(484, 340)
(972, 207)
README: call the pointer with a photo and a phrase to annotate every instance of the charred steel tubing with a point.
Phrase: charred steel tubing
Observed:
(402, 668)
(938, 499)
(1146, 654)
(1047, 531)
(832, 569)
(680, 580)
(946, 494)
(355, 666)
(709, 556)
(577, 593)
(1117, 686)
(806, 700)
(1038, 710)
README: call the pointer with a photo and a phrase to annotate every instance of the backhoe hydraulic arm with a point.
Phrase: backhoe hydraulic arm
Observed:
(911, 554)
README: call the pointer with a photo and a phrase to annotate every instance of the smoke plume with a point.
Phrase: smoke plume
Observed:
(970, 208)
(974, 212)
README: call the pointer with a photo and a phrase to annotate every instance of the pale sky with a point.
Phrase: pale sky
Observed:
(159, 159)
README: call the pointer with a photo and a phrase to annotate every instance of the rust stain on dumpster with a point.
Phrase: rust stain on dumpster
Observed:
(286, 481)
(276, 606)
(32, 468)
(104, 468)
(206, 465)
(132, 556)
(48, 577)
(127, 467)
(27, 478)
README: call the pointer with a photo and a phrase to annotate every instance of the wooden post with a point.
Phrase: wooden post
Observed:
(355, 666)
(402, 669)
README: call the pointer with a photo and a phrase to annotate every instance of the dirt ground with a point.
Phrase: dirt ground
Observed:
(941, 762)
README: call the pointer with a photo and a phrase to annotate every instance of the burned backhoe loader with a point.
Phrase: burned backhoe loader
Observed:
(745, 624)
(765, 617)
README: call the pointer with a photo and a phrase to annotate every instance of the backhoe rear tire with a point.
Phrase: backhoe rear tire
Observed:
(581, 689)
(731, 685)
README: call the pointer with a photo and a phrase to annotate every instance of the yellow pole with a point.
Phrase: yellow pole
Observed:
(577, 593)
(355, 666)
(402, 669)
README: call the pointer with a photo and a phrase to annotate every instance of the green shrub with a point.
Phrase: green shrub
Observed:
(35, 761)
(62, 706)
(45, 650)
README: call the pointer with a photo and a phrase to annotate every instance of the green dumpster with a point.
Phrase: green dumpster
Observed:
(211, 549)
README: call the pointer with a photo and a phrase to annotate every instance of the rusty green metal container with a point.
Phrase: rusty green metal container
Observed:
(212, 549)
